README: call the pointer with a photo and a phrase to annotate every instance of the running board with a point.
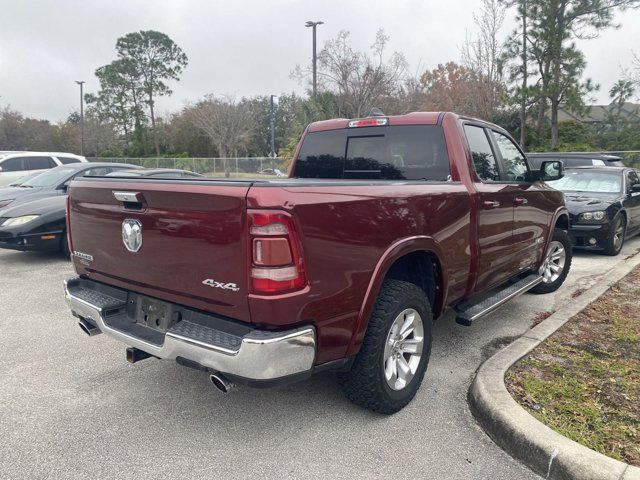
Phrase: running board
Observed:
(473, 312)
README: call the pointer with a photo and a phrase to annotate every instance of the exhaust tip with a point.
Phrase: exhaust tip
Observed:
(221, 382)
(88, 327)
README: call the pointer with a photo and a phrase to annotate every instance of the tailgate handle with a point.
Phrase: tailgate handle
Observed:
(130, 200)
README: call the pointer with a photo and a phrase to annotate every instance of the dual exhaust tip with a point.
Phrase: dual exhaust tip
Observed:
(88, 327)
(222, 383)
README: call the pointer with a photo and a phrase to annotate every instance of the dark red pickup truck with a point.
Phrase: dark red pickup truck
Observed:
(384, 223)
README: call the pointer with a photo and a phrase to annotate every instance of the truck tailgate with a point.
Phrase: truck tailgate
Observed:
(193, 240)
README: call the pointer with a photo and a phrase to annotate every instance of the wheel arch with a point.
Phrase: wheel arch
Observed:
(417, 260)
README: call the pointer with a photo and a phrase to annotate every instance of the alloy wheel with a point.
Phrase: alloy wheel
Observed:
(403, 349)
(554, 261)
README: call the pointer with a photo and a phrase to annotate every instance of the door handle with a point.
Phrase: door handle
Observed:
(489, 204)
(520, 201)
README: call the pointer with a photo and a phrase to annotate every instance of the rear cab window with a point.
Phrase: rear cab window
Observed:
(400, 152)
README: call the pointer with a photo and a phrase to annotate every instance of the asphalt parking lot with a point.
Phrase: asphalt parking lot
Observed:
(72, 407)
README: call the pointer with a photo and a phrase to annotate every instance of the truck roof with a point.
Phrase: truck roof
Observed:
(413, 118)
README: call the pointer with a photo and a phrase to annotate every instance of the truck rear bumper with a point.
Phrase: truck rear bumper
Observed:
(211, 342)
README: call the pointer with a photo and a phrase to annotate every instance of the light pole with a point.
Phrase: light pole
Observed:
(313, 25)
(272, 127)
(81, 83)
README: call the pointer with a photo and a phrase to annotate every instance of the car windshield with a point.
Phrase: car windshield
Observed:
(589, 181)
(52, 177)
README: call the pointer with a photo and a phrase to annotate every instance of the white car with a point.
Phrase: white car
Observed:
(15, 165)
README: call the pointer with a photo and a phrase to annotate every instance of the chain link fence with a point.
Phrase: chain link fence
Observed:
(236, 167)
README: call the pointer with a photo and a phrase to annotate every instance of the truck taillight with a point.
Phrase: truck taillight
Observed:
(276, 263)
(68, 209)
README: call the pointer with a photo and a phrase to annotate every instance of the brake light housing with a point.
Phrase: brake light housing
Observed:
(276, 263)
(368, 122)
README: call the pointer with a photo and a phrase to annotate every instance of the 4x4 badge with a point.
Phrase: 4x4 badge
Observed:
(224, 286)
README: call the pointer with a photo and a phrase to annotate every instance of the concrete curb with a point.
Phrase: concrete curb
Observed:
(542, 449)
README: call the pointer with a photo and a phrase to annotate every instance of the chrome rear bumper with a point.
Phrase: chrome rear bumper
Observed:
(252, 355)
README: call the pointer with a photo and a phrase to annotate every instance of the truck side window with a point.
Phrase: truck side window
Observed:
(514, 162)
(483, 159)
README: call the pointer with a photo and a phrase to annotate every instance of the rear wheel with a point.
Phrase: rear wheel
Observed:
(393, 358)
(556, 264)
(615, 242)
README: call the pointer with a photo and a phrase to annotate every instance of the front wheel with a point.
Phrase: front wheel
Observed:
(393, 358)
(556, 264)
(615, 241)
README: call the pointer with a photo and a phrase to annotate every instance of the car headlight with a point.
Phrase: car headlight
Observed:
(17, 221)
(593, 216)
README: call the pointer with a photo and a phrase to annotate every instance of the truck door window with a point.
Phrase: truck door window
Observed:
(484, 161)
(514, 163)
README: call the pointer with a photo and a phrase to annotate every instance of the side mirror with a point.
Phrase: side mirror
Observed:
(64, 187)
(551, 170)
(635, 187)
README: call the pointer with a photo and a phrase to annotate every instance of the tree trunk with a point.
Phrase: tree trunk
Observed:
(554, 124)
(523, 106)
(542, 110)
(153, 125)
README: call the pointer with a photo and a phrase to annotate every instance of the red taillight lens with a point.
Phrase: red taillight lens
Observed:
(276, 263)
(68, 226)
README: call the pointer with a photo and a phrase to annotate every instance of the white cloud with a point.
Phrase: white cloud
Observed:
(245, 47)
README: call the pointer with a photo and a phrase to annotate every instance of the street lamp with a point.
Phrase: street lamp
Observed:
(81, 83)
(313, 25)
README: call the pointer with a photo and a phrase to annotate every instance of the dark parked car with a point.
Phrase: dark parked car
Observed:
(157, 173)
(582, 159)
(35, 218)
(37, 225)
(54, 182)
(604, 206)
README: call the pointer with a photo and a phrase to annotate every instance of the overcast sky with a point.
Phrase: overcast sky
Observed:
(241, 47)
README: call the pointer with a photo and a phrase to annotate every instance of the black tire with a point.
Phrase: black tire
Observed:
(610, 247)
(64, 246)
(365, 384)
(561, 236)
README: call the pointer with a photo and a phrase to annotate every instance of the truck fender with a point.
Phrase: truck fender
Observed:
(560, 212)
(394, 252)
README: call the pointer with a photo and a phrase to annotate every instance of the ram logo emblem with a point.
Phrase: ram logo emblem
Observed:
(132, 235)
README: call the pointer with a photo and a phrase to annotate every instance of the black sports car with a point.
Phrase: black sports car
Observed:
(54, 182)
(37, 225)
(604, 206)
(581, 159)
(36, 220)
